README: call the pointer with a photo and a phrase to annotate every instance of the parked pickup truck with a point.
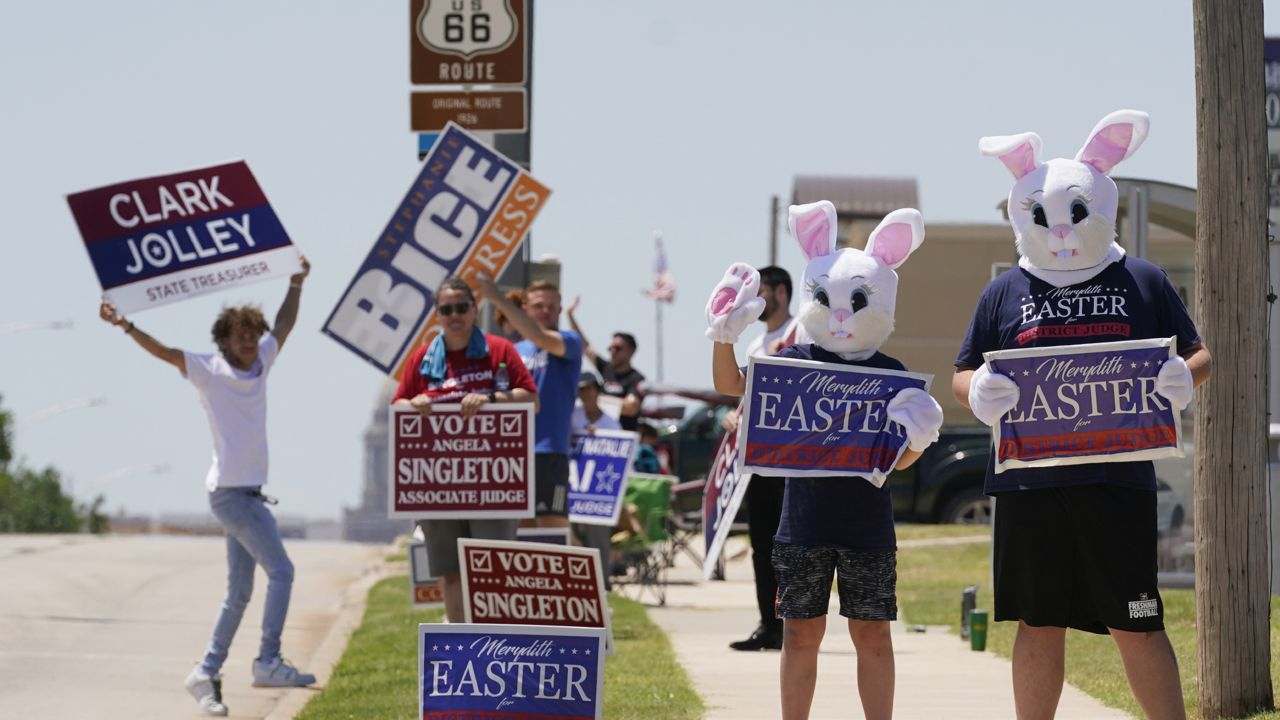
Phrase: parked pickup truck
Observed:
(944, 485)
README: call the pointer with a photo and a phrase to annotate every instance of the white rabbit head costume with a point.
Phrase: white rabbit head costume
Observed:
(1063, 211)
(848, 296)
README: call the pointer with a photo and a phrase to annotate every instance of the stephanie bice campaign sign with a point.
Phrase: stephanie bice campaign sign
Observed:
(447, 465)
(466, 213)
(508, 672)
(599, 465)
(163, 239)
(721, 497)
(1086, 404)
(807, 418)
(518, 583)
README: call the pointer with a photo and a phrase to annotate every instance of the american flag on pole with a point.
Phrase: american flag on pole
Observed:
(664, 283)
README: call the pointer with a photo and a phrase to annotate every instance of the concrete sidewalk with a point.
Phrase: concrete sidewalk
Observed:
(937, 674)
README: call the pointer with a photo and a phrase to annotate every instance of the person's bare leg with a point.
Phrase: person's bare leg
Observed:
(874, 645)
(799, 670)
(1152, 667)
(451, 586)
(1037, 670)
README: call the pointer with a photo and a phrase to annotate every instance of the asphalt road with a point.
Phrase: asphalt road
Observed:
(109, 627)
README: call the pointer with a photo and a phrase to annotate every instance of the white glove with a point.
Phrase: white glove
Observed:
(919, 414)
(1174, 382)
(734, 304)
(991, 395)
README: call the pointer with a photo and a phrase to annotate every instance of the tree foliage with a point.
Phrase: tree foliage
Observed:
(34, 501)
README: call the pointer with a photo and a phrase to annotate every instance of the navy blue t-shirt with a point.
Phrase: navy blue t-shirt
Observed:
(557, 379)
(1131, 299)
(842, 512)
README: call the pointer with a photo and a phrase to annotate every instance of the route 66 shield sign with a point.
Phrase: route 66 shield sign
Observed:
(467, 28)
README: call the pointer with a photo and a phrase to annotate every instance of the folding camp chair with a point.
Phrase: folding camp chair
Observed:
(645, 554)
(684, 523)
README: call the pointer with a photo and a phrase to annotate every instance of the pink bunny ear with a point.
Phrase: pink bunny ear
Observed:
(1114, 138)
(814, 227)
(897, 236)
(1019, 153)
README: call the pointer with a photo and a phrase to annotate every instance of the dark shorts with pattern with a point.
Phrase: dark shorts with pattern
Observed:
(551, 484)
(1081, 557)
(866, 580)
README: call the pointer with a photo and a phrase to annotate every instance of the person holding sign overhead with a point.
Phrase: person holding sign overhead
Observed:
(553, 357)
(841, 526)
(1075, 544)
(232, 388)
(466, 366)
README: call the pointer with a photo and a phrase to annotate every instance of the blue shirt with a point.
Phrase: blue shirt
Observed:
(557, 381)
(843, 512)
(1131, 299)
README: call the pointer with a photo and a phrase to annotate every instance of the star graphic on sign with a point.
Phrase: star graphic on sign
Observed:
(561, 651)
(435, 647)
(788, 381)
(1133, 364)
(607, 479)
(587, 652)
(575, 651)
(1026, 372)
(446, 647)
(1146, 363)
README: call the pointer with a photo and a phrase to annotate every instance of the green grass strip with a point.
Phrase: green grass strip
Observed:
(930, 580)
(377, 676)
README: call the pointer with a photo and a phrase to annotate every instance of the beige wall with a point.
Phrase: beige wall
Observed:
(938, 288)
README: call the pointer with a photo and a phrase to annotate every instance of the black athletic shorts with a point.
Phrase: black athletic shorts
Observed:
(551, 484)
(866, 580)
(1080, 557)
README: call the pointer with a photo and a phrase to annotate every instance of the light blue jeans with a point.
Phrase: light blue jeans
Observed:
(252, 539)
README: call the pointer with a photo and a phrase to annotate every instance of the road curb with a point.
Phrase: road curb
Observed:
(330, 650)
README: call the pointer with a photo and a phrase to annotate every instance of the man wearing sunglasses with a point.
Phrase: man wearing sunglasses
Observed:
(460, 366)
(554, 358)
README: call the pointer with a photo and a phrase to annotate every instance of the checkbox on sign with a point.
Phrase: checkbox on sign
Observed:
(509, 426)
(579, 568)
(410, 426)
(482, 561)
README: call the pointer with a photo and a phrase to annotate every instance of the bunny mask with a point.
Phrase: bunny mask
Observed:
(848, 296)
(1063, 211)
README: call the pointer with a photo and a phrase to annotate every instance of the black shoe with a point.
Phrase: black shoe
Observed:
(764, 638)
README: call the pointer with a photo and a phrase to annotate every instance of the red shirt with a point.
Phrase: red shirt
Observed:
(463, 376)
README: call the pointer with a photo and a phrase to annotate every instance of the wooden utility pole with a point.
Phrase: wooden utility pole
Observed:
(1232, 552)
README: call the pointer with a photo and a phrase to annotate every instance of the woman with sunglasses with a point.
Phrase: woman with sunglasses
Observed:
(461, 365)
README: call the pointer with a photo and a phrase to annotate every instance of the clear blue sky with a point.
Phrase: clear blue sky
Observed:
(668, 115)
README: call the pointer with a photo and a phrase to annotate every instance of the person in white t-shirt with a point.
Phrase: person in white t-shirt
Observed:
(764, 494)
(232, 388)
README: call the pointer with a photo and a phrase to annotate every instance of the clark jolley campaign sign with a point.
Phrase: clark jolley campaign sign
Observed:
(168, 238)
(509, 672)
(520, 583)
(1086, 404)
(599, 465)
(445, 465)
(806, 418)
(721, 497)
(466, 213)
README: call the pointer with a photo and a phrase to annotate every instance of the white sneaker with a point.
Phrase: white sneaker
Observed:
(207, 691)
(277, 672)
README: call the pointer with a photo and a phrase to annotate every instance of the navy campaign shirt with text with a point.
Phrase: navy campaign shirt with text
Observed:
(843, 512)
(1131, 299)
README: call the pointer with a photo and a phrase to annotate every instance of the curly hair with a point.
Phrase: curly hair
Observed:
(248, 317)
